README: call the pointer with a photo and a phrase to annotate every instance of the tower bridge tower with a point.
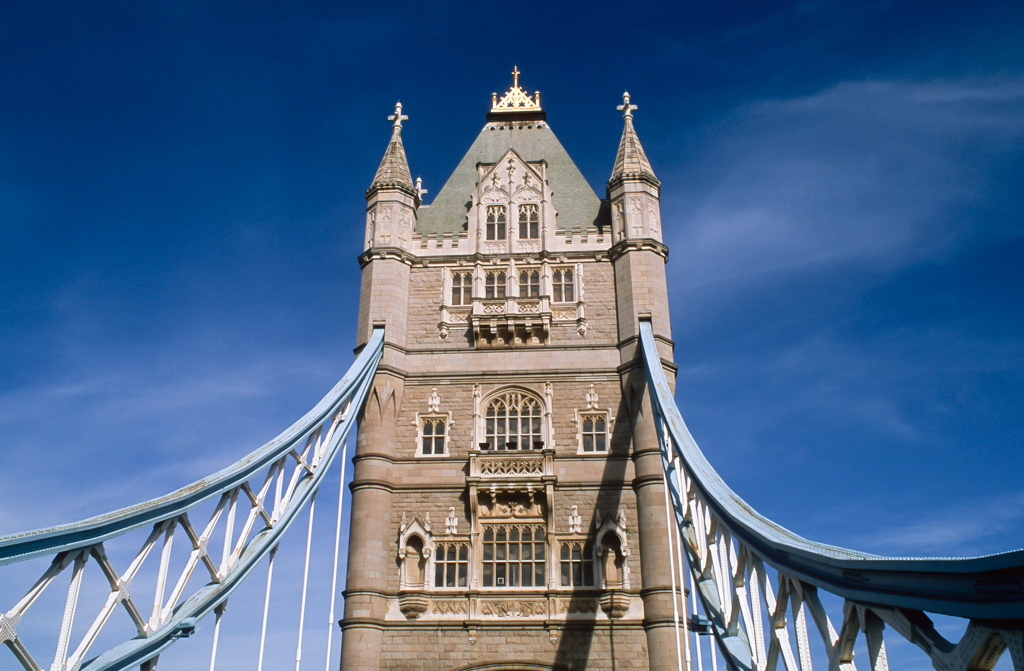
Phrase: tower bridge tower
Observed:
(508, 510)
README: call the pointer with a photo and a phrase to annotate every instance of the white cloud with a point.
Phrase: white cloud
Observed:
(878, 174)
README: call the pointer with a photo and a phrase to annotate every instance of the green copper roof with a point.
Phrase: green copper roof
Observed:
(577, 205)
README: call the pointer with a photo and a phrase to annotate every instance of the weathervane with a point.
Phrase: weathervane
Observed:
(625, 107)
(398, 117)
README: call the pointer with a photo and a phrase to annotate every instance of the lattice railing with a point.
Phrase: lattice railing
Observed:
(754, 585)
(254, 502)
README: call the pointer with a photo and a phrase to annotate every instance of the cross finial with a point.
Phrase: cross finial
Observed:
(625, 107)
(515, 75)
(398, 117)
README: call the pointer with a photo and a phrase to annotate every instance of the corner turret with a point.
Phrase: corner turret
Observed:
(392, 199)
(633, 190)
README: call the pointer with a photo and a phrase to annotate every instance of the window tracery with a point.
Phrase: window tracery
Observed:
(514, 555)
(451, 564)
(529, 284)
(494, 284)
(576, 559)
(512, 421)
(496, 222)
(529, 222)
(462, 288)
(563, 286)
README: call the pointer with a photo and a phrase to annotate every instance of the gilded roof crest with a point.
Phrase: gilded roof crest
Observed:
(516, 99)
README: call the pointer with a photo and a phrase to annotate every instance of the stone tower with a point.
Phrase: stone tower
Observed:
(507, 502)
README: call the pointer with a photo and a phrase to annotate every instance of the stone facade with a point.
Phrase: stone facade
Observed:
(507, 509)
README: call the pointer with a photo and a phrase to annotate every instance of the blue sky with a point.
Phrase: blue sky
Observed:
(182, 188)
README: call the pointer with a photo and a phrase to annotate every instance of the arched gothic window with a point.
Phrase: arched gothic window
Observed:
(529, 223)
(512, 421)
(529, 284)
(496, 222)
(563, 286)
(462, 288)
(494, 284)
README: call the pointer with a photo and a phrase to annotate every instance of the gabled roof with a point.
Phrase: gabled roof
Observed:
(577, 205)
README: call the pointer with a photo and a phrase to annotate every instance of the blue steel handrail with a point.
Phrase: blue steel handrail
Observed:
(988, 588)
(352, 389)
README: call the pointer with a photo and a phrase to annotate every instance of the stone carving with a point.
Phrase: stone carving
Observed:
(450, 607)
(510, 504)
(575, 520)
(495, 247)
(512, 466)
(615, 603)
(563, 315)
(529, 307)
(451, 523)
(494, 309)
(413, 605)
(577, 606)
(513, 608)
(592, 398)
(457, 317)
(434, 401)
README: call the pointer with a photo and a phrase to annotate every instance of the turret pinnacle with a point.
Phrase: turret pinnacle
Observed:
(631, 161)
(394, 168)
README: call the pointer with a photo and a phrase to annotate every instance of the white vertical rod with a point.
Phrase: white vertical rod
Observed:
(681, 568)
(219, 610)
(712, 643)
(266, 608)
(670, 525)
(305, 582)
(696, 637)
(337, 545)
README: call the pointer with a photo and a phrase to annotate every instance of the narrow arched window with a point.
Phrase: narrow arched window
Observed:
(462, 288)
(494, 284)
(529, 283)
(563, 288)
(433, 436)
(529, 222)
(496, 222)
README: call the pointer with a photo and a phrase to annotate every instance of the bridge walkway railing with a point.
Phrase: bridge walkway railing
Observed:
(757, 583)
(254, 503)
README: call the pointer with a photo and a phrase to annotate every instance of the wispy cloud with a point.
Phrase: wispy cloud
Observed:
(873, 173)
(970, 528)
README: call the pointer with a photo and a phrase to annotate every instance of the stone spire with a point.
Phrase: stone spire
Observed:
(394, 168)
(634, 193)
(631, 161)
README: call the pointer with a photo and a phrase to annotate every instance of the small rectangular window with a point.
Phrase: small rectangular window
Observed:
(451, 564)
(462, 287)
(433, 436)
(494, 284)
(529, 284)
(576, 560)
(495, 226)
(529, 223)
(563, 286)
(594, 432)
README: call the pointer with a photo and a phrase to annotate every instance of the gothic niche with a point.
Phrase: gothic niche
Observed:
(612, 550)
(497, 504)
(415, 545)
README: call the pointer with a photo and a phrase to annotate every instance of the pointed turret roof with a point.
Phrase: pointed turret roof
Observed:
(631, 161)
(394, 168)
